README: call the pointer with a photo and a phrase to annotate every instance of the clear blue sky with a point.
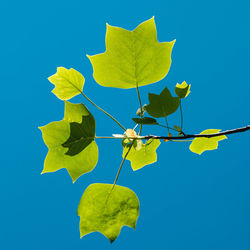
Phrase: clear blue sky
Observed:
(187, 202)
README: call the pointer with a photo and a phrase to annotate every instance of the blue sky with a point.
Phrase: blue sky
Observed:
(186, 201)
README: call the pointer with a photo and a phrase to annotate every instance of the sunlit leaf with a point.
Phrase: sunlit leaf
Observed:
(145, 121)
(199, 145)
(103, 211)
(57, 133)
(68, 83)
(145, 156)
(162, 105)
(132, 57)
(182, 90)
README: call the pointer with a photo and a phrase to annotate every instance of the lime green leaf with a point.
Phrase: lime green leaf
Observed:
(199, 145)
(182, 90)
(68, 83)
(103, 211)
(162, 105)
(145, 156)
(57, 133)
(132, 58)
(145, 121)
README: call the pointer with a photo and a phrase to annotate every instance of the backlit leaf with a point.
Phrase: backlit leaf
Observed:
(132, 57)
(68, 83)
(57, 133)
(199, 145)
(103, 211)
(162, 105)
(145, 156)
(182, 90)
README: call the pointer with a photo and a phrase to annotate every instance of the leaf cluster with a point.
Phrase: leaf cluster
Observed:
(132, 59)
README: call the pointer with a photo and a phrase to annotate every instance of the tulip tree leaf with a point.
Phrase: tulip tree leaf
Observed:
(145, 156)
(182, 90)
(199, 145)
(68, 83)
(103, 211)
(162, 105)
(55, 134)
(145, 121)
(132, 58)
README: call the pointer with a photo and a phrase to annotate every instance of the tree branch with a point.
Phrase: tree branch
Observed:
(186, 136)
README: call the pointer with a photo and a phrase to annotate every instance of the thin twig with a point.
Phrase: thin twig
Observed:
(167, 123)
(104, 112)
(119, 171)
(181, 115)
(138, 93)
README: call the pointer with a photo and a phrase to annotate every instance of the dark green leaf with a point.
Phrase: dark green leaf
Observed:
(182, 90)
(162, 105)
(145, 121)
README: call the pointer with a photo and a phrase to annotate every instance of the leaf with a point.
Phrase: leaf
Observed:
(182, 90)
(145, 121)
(105, 212)
(57, 133)
(162, 105)
(145, 156)
(68, 83)
(199, 145)
(132, 58)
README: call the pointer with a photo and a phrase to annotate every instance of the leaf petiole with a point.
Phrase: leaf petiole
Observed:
(104, 111)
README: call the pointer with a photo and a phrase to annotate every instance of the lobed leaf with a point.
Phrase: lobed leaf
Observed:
(64, 155)
(199, 145)
(103, 211)
(144, 156)
(162, 105)
(132, 58)
(68, 83)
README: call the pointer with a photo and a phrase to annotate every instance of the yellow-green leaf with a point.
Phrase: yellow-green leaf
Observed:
(68, 83)
(182, 90)
(55, 134)
(103, 211)
(132, 57)
(199, 145)
(145, 156)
